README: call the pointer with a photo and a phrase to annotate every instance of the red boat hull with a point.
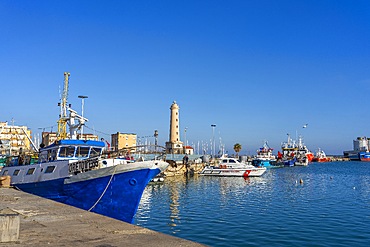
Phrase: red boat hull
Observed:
(326, 159)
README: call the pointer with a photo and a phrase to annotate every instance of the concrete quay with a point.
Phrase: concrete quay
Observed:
(44, 222)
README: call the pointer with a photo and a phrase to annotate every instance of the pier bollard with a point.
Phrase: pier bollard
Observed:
(5, 181)
(9, 225)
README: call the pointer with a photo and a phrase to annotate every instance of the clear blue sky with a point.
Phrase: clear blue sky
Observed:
(257, 69)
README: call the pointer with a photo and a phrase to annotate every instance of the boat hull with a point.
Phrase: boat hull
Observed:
(301, 162)
(288, 163)
(266, 163)
(364, 156)
(353, 156)
(242, 172)
(112, 191)
(326, 159)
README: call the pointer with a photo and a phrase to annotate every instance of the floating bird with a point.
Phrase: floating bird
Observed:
(305, 126)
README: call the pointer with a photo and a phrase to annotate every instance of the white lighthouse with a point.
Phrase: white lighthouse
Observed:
(174, 145)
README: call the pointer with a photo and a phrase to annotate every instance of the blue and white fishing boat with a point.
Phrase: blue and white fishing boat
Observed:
(74, 172)
(289, 153)
(287, 161)
(264, 157)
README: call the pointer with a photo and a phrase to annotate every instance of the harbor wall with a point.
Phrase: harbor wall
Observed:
(45, 222)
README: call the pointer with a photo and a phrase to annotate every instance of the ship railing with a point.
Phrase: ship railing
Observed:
(145, 152)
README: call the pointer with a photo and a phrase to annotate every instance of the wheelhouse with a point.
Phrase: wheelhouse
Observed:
(71, 150)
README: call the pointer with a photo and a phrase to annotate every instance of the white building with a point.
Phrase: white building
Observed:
(14, 139)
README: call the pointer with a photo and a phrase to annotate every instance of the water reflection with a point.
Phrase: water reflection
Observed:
(146, 201)
(268, 210)
(196, 195)
(174, 204)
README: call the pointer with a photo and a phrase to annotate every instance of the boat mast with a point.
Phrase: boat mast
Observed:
(62, 122)
(30, 140)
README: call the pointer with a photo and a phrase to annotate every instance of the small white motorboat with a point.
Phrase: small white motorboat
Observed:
(230, 167)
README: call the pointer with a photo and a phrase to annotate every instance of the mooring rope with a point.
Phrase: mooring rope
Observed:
(105, 190)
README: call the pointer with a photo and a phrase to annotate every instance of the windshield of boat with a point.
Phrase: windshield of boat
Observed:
(95, 152)
(82, 152)
(68, 151)
(47, 155)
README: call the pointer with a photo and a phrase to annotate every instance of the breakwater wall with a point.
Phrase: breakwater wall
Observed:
(44, 222)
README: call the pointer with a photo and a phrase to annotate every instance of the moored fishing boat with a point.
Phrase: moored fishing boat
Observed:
(86, 181)
(303, 151)
(264, 157)
(16, 144)
(21, 159)
(294, 153)
(73, 172)
(231, 167)
(289, 151)
(320, 156)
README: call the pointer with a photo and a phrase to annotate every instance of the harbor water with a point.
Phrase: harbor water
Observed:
(323, 204)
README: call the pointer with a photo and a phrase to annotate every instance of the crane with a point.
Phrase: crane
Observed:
(71, 119)
(62, 122)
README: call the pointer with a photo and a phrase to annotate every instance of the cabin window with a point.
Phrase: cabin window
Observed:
(95, 152)
(52, 155)
(43, 157)
(82, 152)
(232, 161)
(67, 151)
(30, 171)
(15, 173)
(5, 172)
(50, 169)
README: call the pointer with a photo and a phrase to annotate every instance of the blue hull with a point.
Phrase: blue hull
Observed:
(287, 162)
(364, 156)
(265, 163)
(116, 196)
